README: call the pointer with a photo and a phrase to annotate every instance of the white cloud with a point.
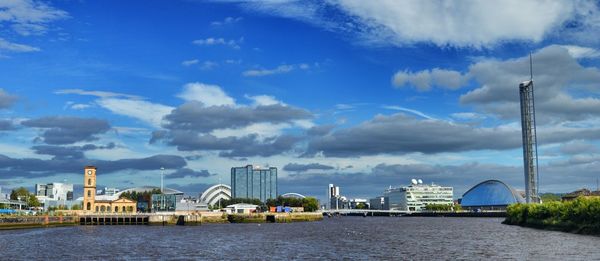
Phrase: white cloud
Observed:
(264, 72)
(456, 23)
(208, 65)
(235, 44)
(564, 89)
(263, 100)
(101, 94)
(209, 95)
(189, 62)
(80, 106)
(426, 79)
(15, 47)
(28, 17)
(467, 116)
(579, 52)
(151, 113)
(226, 21)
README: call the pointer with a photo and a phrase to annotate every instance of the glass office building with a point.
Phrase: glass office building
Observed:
(254, 182)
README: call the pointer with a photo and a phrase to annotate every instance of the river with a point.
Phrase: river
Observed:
(356, 238)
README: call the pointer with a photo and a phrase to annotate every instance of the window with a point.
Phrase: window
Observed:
(96, 208)
(89, 205)
(116, 209)
(102, 208)
(89, 182)
(89, 194)
(123, 209)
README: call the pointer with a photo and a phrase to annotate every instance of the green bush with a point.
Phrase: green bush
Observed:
(579, 215)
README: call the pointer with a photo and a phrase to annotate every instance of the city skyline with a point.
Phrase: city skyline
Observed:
(362, 95)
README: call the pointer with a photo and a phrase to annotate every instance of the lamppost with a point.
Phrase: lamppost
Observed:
(19, 199)
(162, 194)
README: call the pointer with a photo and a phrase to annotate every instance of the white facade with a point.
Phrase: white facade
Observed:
(55, 191)
(416, 196)
(241, 208)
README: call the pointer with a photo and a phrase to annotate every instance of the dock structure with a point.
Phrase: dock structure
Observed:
(114, 220)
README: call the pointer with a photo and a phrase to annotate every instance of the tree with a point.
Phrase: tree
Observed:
(24, 195)
(549, 197)
(76, 207)
(438, 207)
(361, 206)
(32, 201)
(310, 204)
(21, 192)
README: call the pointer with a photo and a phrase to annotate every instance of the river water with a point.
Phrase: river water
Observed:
(356, 238)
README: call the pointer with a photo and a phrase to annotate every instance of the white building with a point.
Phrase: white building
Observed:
(241, 208)
(55, 191)
(55, 194)
(416, 196)
(333, 197)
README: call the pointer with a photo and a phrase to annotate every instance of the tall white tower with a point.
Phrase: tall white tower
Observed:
(530, 160)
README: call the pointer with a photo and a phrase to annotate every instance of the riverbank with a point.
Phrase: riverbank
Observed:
(581, 216)
(21, 222)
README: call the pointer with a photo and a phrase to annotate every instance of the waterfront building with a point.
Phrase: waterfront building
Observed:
(355, 202)
(490, 195)
(242, 208)
(333, 193)
(163, 202)
(254, 182)
(215, 194)
(54, 191)
(416, 196)
(92, 203)
(55, 194)
(377, 203)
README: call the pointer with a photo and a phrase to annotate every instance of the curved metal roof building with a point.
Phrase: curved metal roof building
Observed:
(491, 193)
(293, 195)
(212, 195)
(167, 191)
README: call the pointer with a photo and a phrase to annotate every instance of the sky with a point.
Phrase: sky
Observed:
(362, 94)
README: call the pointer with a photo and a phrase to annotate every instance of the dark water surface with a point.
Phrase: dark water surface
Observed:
(372, 238)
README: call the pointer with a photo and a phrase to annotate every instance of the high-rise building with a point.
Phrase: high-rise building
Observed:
(333, 193)
(254, 182)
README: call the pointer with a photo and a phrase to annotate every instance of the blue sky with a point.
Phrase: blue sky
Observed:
(361, 94)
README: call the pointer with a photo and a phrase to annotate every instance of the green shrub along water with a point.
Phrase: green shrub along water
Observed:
(581, 215)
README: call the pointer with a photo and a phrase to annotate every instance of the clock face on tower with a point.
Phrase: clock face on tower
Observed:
(89, 172)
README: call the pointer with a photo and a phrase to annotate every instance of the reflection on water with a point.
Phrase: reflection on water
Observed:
(416, 238)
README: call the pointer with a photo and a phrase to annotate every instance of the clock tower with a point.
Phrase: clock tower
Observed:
(89, 188)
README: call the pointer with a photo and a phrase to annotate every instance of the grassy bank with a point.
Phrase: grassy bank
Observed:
(578, 216)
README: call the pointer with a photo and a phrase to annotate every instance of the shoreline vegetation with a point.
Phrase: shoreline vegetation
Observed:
(581, 216)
